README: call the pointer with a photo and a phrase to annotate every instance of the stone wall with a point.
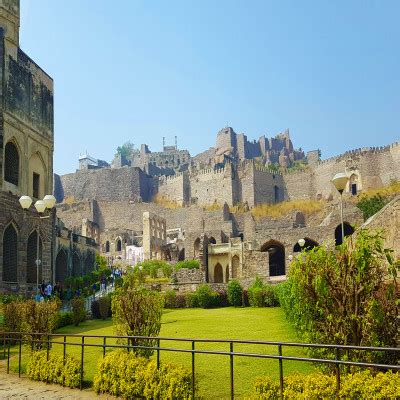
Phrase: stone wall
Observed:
(127, 183)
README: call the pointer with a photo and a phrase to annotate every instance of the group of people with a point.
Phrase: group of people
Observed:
(46, 291)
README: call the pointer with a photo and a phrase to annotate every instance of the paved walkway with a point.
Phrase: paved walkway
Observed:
(13, 387)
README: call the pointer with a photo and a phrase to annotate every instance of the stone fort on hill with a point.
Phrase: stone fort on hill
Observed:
(235, 171)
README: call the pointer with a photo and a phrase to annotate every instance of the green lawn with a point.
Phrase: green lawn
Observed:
(212, 371)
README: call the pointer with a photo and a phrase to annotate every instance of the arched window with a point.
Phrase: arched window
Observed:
(353, 184)
(308, 245)
(227, 274)
(235, 267)
(348, 231)
(61, 266)
(10, 254)
(218, 274)
(107, 246)
(76, 265)
(31, 257)
(276, 257)
(212, 240)
(119, 245)
(11, 163)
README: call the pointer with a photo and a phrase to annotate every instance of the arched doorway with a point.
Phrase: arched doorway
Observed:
(227, 274)
(107, 246)
(31, 257)
(276, 257)
(308, 245)
(181, 256)
(235, 267)
(353, 184)
(348, 231)
(61, 266)
(218, 274)
(196, 248)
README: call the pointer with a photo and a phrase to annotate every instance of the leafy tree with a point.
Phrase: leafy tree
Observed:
(137, 312)
(126, 149)
(346, 295)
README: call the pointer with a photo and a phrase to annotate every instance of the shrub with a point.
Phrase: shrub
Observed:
(12, 316)
(361, 385)
(64, 318)
(235, 293)
(170, 299)
(137, 312)
(207, 298)
(221, 298)
(78, 310)
(263, 295)
(104, 307)
(192, 300)
(345, 295)
(130, 376)
(180, 301)
(55, 369)
(190, 264)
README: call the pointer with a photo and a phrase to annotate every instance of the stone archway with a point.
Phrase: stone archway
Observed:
(276, 257)
(218, 274)
(348, 231)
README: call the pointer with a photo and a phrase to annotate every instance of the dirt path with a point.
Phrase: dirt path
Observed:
(13, 387)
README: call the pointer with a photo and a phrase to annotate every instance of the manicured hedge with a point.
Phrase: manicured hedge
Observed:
(124, 374)
(55, 369)
(360, 385)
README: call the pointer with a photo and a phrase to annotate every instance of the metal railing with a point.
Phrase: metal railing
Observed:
(17, 339)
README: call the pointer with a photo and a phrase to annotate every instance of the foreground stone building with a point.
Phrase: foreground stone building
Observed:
(26, 162)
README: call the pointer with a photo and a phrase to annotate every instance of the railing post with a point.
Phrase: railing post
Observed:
(19, 355)
(231, 372)
(280, 370)
(158, 353)
(193, 370)
(104, 346)
(4, 345)
(8, 356)
(64, 355)
(47, 354)
(82, 352)
(337, 357)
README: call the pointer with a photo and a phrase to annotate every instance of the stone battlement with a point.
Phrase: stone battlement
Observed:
(360, 151)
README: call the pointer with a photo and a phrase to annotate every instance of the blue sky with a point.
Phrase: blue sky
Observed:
(140, 70)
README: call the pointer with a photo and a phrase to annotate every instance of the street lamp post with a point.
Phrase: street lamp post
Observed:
(340, 181)
(48, 202)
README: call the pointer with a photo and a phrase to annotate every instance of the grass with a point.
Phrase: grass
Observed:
(278, 210)
(166, 202)
(212, 371)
